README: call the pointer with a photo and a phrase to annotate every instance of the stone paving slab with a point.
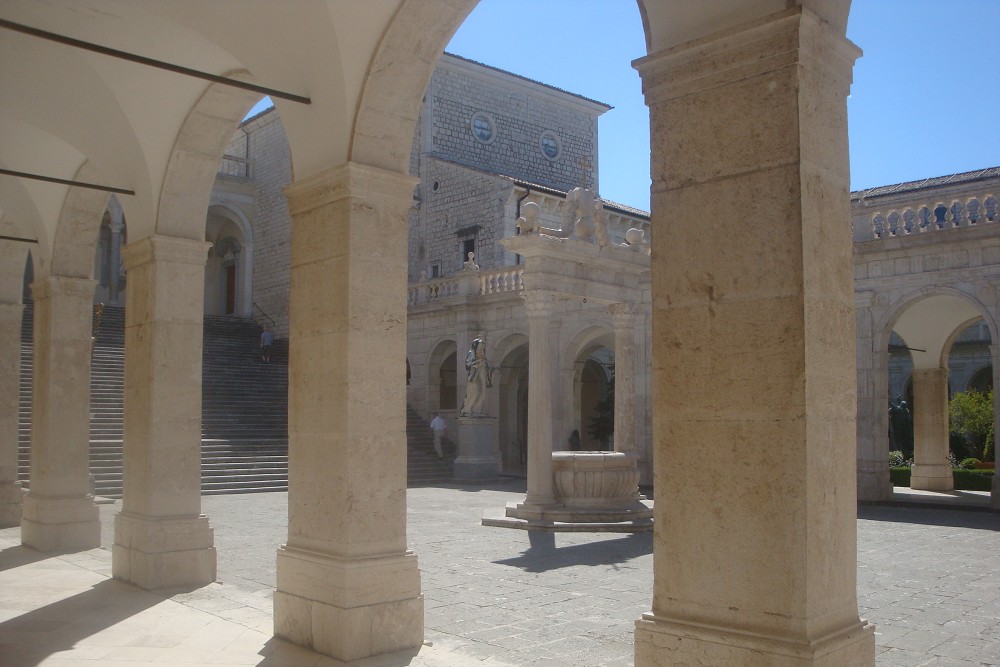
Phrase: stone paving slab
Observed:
(928, 578)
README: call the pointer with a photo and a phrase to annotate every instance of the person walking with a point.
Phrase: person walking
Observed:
(440, 429)
(266, 341)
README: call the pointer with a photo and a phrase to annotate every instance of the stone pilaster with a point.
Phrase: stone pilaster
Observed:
(873, 454)
(346, 584)
(10, 375)
(162, 539)
(754, 351)
(931, 471)
(624, 315)
(541, 398)
(59, 513)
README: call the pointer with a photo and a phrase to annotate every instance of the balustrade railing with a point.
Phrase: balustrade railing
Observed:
(467, 283)
(924, 218)
(232, 165)
(502, 280)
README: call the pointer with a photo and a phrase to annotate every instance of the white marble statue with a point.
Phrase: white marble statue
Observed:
(480, 376)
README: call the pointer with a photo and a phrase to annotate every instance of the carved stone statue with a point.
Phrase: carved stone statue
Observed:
(480, 376)
(529, 222)
(585, 216)
(471, 264)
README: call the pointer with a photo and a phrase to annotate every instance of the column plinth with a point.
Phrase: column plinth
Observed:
(347, 585)
(162, 540)
(59, 509)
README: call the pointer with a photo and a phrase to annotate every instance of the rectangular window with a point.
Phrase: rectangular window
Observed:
(436, 270)
(468, 245)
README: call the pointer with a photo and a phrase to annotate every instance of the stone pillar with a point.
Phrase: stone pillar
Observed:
(931, 471)
(346, 584)
(624, 315)
(59, 513)
(754, 351)
(162, 540)
(873, 452)
(541, 398)
(10, 380)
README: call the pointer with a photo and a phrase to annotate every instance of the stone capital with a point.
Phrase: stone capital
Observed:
(56, 286)
(539, 303)
(789, 38)
(351, 180)
(168, 249)
(624, 314)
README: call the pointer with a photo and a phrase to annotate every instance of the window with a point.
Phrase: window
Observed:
(436, 270)
(482, 127)
(468, 245)
(549, 144)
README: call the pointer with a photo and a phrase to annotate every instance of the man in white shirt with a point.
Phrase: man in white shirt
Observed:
(440, 428)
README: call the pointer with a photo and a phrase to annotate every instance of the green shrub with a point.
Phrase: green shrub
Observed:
(968, 464)
(973, 480)
(900, 476)
(970, 415)
(965, 480)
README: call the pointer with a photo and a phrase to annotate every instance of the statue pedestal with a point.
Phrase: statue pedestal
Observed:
(477, 457)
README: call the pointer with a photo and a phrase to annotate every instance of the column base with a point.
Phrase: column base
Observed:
(60, 524)
(932, 477)
(348, 608)
(660, 642)
(168, 552)
(874, 484)
(11, 498)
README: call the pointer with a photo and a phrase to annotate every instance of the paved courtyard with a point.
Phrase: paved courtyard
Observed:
(928, 578)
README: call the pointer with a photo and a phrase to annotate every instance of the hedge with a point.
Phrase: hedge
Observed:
(965, 480)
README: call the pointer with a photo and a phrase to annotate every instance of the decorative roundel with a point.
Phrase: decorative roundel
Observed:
(483, 128)
(549, 144)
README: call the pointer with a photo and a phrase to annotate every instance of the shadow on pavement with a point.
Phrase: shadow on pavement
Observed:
(543, 554)
(954, 518)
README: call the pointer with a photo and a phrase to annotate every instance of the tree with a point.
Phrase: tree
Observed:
(970, 415)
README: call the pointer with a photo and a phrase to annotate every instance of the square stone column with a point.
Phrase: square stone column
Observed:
(347, 585)
(162, 540)
(624, 315)
(10, 379)
(753, 351)
(995, 356)
(931, 470)
(59, 513)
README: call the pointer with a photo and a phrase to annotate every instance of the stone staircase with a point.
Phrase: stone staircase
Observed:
(422, 463)
(244, 411)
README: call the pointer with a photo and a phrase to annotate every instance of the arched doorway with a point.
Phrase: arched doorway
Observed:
(513, 404)
(229, 268)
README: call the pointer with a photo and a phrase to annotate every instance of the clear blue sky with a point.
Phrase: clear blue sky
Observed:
(925, 100)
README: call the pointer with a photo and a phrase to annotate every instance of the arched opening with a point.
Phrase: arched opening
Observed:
(513, 407)
(229, 267)
(109, 270)
(442, 379)
(593, 394)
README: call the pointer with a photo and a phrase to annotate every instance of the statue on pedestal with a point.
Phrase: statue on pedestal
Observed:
(480, 377)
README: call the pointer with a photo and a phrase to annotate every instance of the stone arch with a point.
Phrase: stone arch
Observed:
(194, 159)
(442, 376)
(229, 270)
(511, 360)
(588, 355)
(78, 230)
(923, 327)
(981, 379)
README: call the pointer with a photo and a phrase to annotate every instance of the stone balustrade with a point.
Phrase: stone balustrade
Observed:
(509, 279)
(232, 165)
(467, 283)
(924, 217)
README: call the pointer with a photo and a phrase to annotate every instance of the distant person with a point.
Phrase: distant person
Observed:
(440, 428)
(266, 341)
(574, 441)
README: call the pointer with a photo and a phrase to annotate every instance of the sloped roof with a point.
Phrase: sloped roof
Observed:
(936, 181)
